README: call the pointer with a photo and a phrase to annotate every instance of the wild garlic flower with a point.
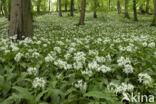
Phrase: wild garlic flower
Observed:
(18, 57)
(104, 69)
(32, 71)
(93, 65)
(87, 72)
(128, 69)
(123, 61)
(81, 85)
(39, 83)
(144, 78)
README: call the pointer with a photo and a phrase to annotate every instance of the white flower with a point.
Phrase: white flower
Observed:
(81, 85)
(100, 59)
(57, 49)
(145, 44)
(152, 45)
(39, 83)
(128, 69)
(123, 61)
(104, 69)
(87, 72)
(93, 65)
(80, 57)
(18, 56)
(49, 58)
(144, 78)
(35, 54)
(78, 65)
(32, 71)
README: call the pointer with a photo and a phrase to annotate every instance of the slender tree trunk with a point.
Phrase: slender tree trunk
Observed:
(82, 15)
(65, 6)
(147, 6)
(95, 7)
(4, 8)
(57, 3)
(60, 9)
(119, 7)
(38, 6)
(142, 11)
(21, 19)
(154, 19)
(72, 8)
(135, 10)
(49, 5)
(9, 9)
(109, 4)
(126, 10)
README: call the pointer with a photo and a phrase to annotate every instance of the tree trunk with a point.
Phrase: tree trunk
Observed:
(21, 19)
(65, 6)
(142, 11)
(147, 6)
(154, 19)
(4, 8)
(38, 6)
(135, 10)
(82, 15)
(57, 5)
(126, 10)
(109, 4)
(95, 7)
(49, 5)
(60, 9)
(72, 8)
(9, 9)
(119, 7)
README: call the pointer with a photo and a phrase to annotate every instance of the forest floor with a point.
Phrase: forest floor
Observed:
(93, 63)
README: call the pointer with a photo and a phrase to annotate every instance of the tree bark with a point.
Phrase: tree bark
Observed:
(21, 19)
(142, 11)
(109, 4)
(38, 6)
(72, 8)
(57, 5)
(95, 7)
(82, 15)
(60, 9)
(65, 6)
(154, 19)
(4, 8)
(49, 5)
(135, 10)
(147, 6)
(126, 10)
(119, 7)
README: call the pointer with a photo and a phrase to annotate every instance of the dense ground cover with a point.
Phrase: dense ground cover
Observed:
(65, 64)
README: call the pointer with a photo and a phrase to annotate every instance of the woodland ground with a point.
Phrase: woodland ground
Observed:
(66, 64)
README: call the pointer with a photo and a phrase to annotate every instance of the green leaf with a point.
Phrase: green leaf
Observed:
(25, 94)
(95, 94)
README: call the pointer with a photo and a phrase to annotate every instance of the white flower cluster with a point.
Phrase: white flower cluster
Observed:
(62, 64)
(104, 69)
(39, 83)
(80, 57)
(144, 78)
(18, 57)
(81, 85)
(87, 72)
(122, 61)
(124, 87)
(49, 58)
(32, 71)
(151, 45)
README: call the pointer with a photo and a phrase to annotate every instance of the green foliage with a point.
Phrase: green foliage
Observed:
(30, 75)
